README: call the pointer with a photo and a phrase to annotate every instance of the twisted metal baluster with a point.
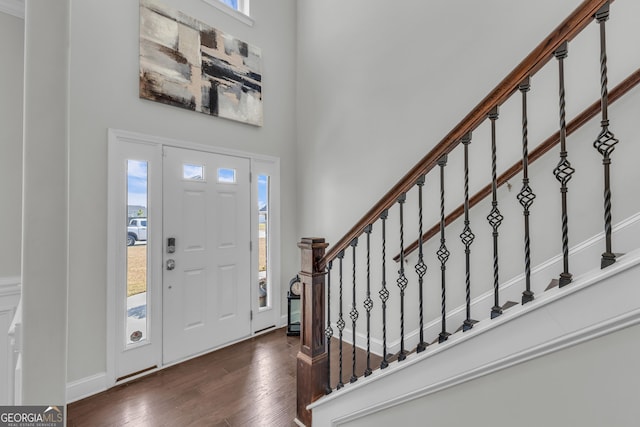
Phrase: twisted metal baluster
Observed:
(384, 292)
(354, 314)
(421, 267)
(467, 235)
(328, 332)
(402, 279)
(368, 302)
(605, 144)
(340, 322)
(526, 196)
(443, 254)
(494, 217)
(563, 171)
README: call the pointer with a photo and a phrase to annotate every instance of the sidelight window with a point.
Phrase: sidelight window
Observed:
(263, 241)
(137, 252)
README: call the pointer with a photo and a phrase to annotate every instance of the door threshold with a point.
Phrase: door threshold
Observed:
(136, 374)
(268, 328)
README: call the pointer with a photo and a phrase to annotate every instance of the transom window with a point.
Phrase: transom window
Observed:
(239, 5)
(239, 9)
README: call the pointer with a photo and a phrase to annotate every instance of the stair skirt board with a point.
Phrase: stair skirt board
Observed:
(582, 255)
(562, 318)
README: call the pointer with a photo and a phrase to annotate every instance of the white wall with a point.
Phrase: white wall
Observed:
(381, 83)
(104, 94)
(44, 236)
(11, 85)
(590, 384)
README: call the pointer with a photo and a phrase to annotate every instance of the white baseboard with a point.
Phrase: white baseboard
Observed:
(86, 387)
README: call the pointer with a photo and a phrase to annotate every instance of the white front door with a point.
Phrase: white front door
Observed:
(206, 251)
(204, 201)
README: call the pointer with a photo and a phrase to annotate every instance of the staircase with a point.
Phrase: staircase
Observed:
(497, 283)
(552, 323)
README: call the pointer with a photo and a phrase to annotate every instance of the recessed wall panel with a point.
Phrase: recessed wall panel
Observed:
(227, 219)
(194, 297)
(227, 291)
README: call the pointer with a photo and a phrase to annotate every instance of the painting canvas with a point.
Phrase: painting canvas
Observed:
(188, 64)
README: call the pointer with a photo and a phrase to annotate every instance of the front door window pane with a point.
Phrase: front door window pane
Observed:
(193, 172)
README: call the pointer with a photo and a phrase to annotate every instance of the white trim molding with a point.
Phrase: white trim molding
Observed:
(13, 7)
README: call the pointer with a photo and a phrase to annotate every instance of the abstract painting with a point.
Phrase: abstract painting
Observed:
(188, 64)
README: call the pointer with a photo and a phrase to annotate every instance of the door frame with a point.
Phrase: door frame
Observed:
(116, 203)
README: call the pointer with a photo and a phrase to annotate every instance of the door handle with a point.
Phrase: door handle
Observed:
(171, 264)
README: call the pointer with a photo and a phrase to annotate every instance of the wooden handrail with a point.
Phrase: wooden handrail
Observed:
(566, 31)
(619, 91)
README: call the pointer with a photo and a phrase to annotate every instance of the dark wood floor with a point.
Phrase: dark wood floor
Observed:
(252, 383)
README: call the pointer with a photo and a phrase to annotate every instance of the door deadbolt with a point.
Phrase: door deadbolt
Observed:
(171, 264)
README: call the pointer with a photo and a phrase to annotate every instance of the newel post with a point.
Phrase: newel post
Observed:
(312, 358)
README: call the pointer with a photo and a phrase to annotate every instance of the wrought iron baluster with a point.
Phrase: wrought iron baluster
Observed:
(368, 302)
(467, 235)
(563, 171)
(384, 292)
(402, 279)
(443, 254)
(495, 217)
(340, 322)
(421, 267)
(606, 141)
(526, 195)
(354, 313)
(328, 332)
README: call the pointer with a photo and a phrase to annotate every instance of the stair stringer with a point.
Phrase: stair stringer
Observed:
(597, 303)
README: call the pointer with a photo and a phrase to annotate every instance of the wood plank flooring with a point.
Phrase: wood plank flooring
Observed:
(252, 383)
